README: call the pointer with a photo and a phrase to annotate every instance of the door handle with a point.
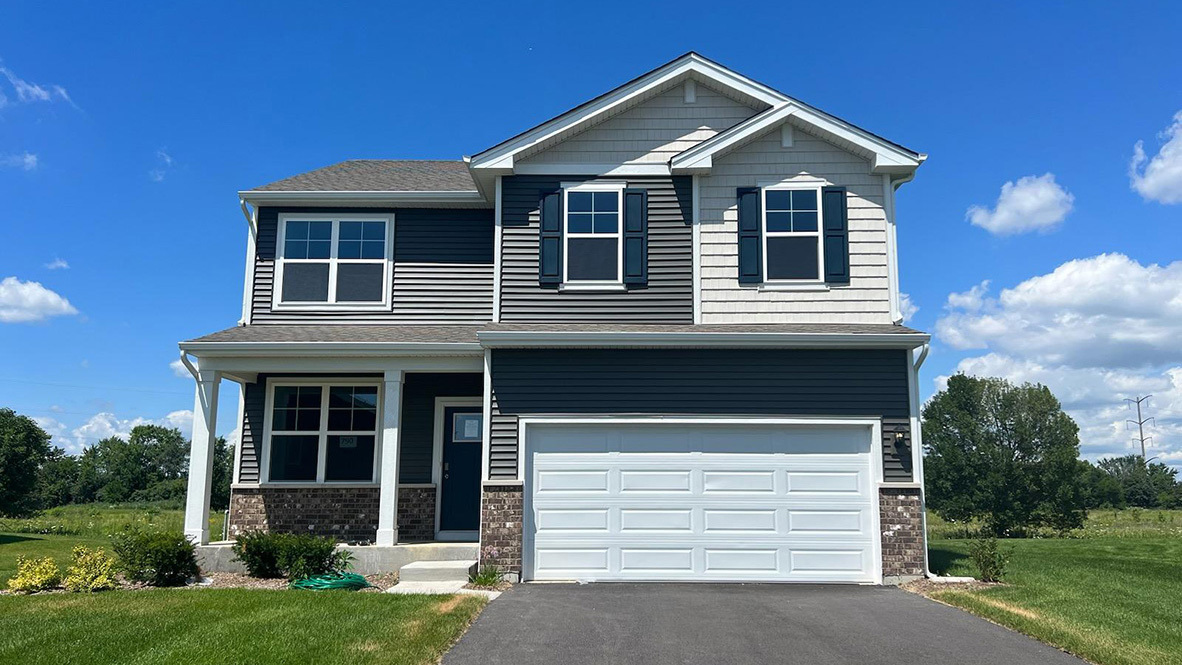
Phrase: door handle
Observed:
(446, 466)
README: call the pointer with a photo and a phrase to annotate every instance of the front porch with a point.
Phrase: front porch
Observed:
(381, 451)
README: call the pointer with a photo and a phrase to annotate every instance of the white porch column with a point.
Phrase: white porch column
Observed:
(388, 499)
(205, 418)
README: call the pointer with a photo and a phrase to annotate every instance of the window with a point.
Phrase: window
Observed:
(792, 234)
(592, 248)
(323, 433)
(467, 427)
(326, 261)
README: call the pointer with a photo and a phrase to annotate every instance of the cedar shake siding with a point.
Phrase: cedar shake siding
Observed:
(651, 132)
(443, 268)
(783, 382)
(866, 299)
(667, 297)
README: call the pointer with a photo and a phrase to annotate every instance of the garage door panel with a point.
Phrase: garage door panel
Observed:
(673, 502)
(654, 481)
(667, 520)
(570, 481)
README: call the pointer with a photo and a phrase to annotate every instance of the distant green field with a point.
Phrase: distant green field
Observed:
(1112, 594)
(1101, 523)
(56, 531)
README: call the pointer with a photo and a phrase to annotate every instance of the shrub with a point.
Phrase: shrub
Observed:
(290, 555)
(989, 558)
(259, 552)
(92, 570)
(33, 574)
(158, 558)
(489, 576)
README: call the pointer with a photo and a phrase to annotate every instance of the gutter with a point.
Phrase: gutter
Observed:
(543, 339)
(339, 349)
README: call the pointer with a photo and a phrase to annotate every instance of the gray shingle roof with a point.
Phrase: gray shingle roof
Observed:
(426, 334)
(380, 175)
(467, 334)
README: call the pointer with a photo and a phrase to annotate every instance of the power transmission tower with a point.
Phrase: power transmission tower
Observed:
(1140, 422)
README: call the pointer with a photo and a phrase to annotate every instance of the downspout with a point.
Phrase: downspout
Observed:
(189, 365)
(251, 239)
(923, 509)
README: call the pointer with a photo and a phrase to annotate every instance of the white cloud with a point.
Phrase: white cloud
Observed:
(1160, 178)
(1096, 331)
(25, 161)
(25, 302)
(907, 307)
(57, 264)
(179, 369)
(55, 428)
(1034, 203)
(30, 93)
(1103, 311)
(103, 425)
(165, 164)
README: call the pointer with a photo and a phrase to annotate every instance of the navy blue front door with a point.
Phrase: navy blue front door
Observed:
(463, 433)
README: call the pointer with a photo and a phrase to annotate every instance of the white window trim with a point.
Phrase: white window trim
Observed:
(322, 433)
(593, 284)
(277, 302)
(817, 282)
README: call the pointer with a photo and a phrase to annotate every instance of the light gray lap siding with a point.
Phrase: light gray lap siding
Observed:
(443, 268)
(666, 298)
(697, 382)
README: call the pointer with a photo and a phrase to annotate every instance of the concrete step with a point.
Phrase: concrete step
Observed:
(436, 571)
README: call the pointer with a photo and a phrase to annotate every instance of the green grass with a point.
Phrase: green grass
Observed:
(56, 531)
(1112, 596)
(213, 626)
(1103, 523)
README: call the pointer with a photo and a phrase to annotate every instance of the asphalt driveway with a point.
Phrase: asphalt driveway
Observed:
(731, 624)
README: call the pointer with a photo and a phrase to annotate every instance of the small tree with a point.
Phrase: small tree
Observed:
(24, 446)
(1003, 454)
(1145, 485)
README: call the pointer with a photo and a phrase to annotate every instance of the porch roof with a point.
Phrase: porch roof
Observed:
(468, 338)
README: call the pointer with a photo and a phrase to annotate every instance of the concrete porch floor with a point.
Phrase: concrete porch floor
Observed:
(367, 559)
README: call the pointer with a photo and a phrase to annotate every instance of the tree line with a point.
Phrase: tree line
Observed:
(1007, 456)
(151, 464)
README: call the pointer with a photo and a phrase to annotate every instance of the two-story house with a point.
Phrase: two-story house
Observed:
(657, 337)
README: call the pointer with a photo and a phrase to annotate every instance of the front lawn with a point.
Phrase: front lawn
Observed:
(230, 626)
(1113, 596)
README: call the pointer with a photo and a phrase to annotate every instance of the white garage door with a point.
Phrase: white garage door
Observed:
(700, 502)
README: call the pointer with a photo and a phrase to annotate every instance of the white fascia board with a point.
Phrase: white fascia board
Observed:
(542, 339)
(502, 156)
(593, 169)
(887, 158)
(329, 349)
(305, 197)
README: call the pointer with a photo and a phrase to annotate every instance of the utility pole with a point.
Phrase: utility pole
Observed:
(1140, 422)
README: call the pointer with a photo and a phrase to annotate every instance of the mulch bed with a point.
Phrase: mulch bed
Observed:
(928, 587)
(382, 581)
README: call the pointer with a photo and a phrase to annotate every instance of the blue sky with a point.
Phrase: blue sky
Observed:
(126, 131)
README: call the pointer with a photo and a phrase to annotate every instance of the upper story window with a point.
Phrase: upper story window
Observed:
(593, 251)
(792, 234)
(333, 261)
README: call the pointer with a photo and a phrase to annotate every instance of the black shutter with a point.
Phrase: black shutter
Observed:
(550, 238)
(750, 236)
(836, 231)
(636, 236)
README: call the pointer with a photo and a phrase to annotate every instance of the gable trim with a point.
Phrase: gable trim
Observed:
(501, 156)
(885, 157)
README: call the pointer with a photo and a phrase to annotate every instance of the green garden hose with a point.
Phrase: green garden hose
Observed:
(346, 581)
